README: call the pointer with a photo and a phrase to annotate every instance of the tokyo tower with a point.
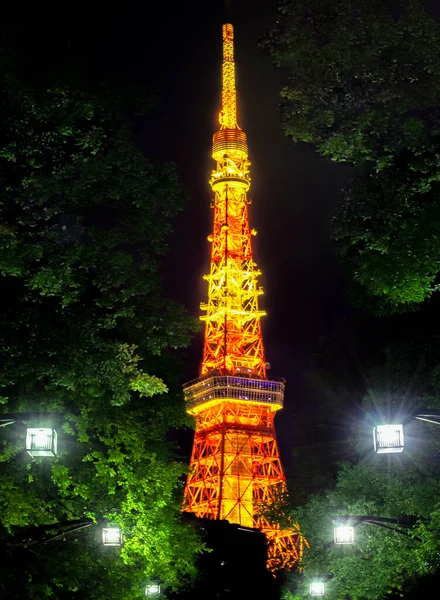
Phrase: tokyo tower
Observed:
(235, 463)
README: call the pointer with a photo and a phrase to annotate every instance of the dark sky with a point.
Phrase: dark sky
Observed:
(293, 190)
(174, 49)
(178, 54)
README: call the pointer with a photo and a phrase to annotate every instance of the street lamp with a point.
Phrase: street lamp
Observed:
(41, 441)
(111, 536)
(402, 525)
(153, 589)
(344, 534)
(44, 534)
(388, 439)
(317, 588)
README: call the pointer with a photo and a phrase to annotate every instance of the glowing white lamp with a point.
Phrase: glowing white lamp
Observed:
(41, 441)
(111, 536)
(344, 535)
(152, 590)
(317, 588)
(388, 439)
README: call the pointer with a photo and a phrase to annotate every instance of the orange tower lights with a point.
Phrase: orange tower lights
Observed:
(235, 463)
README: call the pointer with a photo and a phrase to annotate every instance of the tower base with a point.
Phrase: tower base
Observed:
(235, 463)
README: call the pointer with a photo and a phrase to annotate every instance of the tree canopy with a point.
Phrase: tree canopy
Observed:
(86, 336)
(363, 86)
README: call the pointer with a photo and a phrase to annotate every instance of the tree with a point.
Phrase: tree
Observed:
(404, 487)
(86, 335)
(364, 88)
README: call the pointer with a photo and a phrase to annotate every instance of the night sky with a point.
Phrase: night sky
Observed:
(175, 51)
(293, 191)
(178, 54)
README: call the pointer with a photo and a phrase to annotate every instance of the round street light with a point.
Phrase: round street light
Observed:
(388, 439)
(317, 588)
(344, 534)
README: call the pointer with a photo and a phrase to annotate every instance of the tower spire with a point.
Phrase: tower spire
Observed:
(228, 112)
(235, 463)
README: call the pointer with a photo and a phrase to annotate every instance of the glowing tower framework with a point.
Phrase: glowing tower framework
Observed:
(235, 463)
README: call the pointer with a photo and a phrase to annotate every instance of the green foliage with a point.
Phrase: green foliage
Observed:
(388, 239)
(380, 560)
(364, 88)
(86, 335)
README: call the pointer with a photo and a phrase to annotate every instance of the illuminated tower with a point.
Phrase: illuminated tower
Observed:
(235, 463)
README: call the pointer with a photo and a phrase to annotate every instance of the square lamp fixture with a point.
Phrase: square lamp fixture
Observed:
(41, 441)
(317, 589)
(388, 439)
(344, 535)
(111, 536)
(152, 590)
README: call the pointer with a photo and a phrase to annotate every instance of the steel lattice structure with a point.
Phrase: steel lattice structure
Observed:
(235, 462)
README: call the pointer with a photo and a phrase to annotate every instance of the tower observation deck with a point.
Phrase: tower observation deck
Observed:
(235, 463)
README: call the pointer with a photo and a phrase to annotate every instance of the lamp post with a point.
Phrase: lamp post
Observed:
(343, 535)
(43, 534)
(389, 439)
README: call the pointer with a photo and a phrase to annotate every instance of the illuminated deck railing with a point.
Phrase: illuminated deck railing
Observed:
(230, 387)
